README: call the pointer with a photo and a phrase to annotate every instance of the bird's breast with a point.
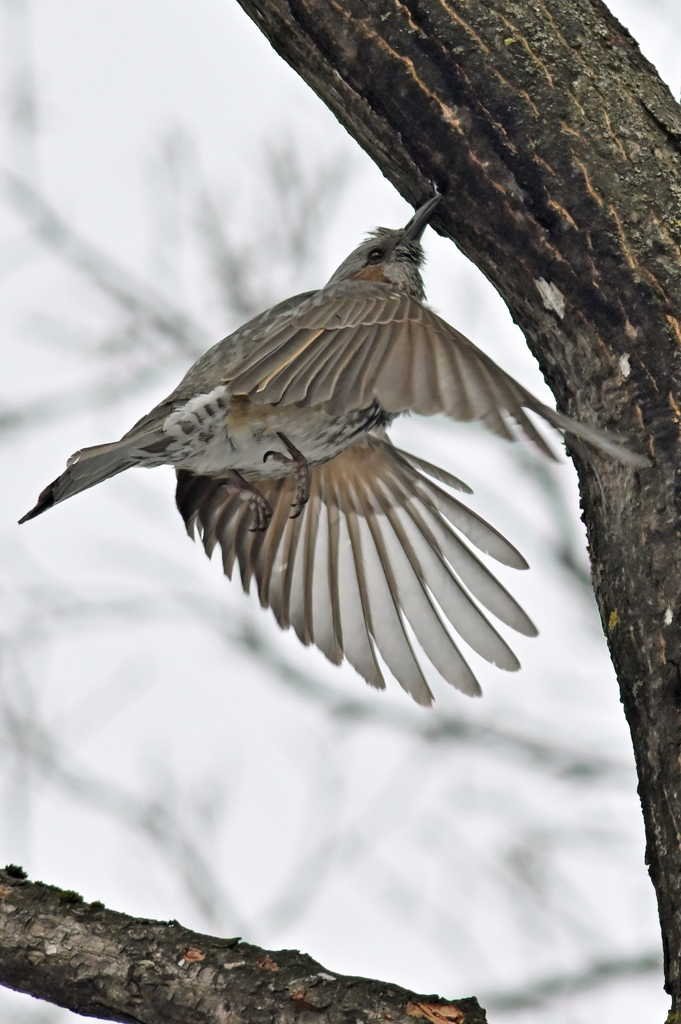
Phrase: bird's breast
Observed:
(213, 432)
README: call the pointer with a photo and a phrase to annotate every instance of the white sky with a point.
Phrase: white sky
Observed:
(408, 857)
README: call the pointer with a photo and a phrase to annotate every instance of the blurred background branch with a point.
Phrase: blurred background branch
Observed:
(162, 746)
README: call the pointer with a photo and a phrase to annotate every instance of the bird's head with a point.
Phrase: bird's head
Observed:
(393, 257)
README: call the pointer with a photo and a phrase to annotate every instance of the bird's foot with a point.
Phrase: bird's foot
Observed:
(301, 472)
(258, 503)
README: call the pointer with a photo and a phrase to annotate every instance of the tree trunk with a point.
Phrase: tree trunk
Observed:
(103, 964)
(558, 150)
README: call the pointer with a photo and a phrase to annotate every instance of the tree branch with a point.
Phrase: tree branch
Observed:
(97, 962)
(558, 151)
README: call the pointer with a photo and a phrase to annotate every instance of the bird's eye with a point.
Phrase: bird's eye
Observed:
(376, 255)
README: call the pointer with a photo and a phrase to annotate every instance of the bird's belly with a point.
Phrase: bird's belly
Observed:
(239, 436)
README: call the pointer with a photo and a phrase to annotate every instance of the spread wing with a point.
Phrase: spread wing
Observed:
(357, 342)
(377, 557)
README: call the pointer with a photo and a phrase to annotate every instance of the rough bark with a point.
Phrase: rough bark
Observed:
(103, 964)
(558, 150)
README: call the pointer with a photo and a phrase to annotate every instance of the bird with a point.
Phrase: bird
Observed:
(278, 436)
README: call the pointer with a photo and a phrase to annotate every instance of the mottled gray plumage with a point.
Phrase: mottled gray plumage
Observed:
(291, 410)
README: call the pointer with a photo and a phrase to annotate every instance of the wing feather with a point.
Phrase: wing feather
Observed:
(268, 562)
(301, 608)
(432, 571)
(355, 605)
(323, 584)
(333, 525)
(387, 624)
(320, 372)
(416, 598)
(376, 559)
(292, 532)
(354, 383)
(409, 359)
(436, 472)
(322, 385)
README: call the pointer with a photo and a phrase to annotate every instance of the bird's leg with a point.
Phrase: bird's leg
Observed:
(259, 505)
(301, 472)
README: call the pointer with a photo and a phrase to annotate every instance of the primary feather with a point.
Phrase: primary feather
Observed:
(377, 558)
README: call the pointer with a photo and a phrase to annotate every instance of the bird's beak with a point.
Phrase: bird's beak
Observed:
(417, 224)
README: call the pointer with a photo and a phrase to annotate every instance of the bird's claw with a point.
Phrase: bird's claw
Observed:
(301, 473)
(257, 502)
(262, 510)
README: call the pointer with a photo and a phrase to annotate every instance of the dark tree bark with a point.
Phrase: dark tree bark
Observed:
(558, 150)
(103, 964)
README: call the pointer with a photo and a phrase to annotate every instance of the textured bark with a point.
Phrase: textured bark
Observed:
(103, 964)
(558, 150)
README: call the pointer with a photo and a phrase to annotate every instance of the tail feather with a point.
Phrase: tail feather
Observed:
(86, 468)
(377, 559)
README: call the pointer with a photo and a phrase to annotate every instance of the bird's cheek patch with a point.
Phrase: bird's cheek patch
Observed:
(373, 273)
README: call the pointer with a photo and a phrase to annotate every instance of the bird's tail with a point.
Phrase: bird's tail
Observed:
(89, 467)
(376, 559)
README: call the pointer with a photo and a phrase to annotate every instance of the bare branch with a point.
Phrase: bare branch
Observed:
(100, 963)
